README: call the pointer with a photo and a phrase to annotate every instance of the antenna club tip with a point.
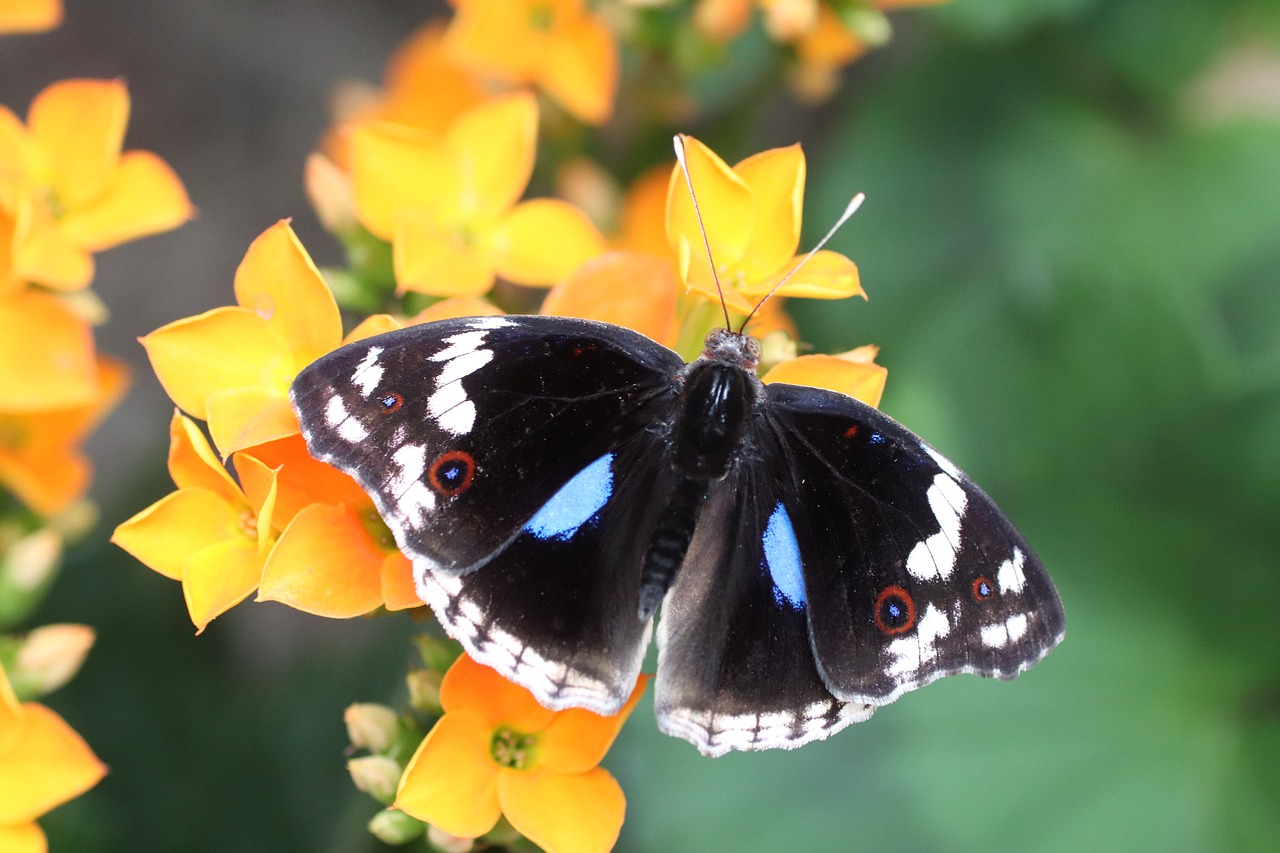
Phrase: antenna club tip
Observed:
(677, 142)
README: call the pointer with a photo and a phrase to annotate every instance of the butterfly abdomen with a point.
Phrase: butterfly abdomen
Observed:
(718, 404)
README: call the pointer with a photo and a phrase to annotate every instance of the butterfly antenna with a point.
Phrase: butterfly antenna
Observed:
(849, 210)
(678, 140)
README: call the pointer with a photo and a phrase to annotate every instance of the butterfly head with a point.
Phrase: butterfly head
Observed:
(734, 348)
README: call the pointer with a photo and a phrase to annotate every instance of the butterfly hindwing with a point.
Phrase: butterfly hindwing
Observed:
(911, 571)
(528, 438)
(736, 667)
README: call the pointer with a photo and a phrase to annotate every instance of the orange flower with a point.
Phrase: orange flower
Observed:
(497, 751)
(752, 218)
(211, 534)
(43, 764)
(40, 458)
(449, 205)
(854, 373)
(29, 16)
(47, 359)
(335, 557)
(554, 44)
(67, 189)
(232, 366)
(624, 288)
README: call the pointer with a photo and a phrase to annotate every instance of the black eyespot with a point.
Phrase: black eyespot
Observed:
(983, 588)
(390, 402)
(895, 610)
(451, 472)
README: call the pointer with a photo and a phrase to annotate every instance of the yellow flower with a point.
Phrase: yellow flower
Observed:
(334, 557)
(212, 534)
(854, 373)
(29, 16)
(233, 366)
(629, 289)
(43, 764)
(40, 458)
(752, 218)
(496, 751)
(448, 204)
(554, 44)
(68, 191)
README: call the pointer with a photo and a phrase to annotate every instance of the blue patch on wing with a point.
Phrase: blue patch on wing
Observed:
(782, 556)
(575, 503)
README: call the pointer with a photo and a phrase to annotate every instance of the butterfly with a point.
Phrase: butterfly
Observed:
(558, 483)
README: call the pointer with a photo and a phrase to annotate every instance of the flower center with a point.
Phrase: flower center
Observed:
(54, 203)
(511, 748)
(377, 529)
(542, 17)
(249, 523)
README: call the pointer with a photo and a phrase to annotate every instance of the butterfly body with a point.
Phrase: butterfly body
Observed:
(556, 481)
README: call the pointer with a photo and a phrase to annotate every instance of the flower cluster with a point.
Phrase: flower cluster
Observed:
(425, 184)
(67, 191)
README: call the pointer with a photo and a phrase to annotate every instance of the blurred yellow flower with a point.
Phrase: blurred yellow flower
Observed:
(40, 457)
(43, 764)
(854, 373)
(554, 44)
(233, 366)
(449, 205)
(212, 534)
(496, 751)
(751, 214)
(29, 16)
(68, 191)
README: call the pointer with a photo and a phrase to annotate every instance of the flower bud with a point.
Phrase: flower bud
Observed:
(424, 690)
(392, 826)
(27, 566)
(447, 843)
(330, 192)
(369, 726)
(377, 776)
(50, 656)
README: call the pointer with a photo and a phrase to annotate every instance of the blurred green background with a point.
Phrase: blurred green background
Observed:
(1072, 248)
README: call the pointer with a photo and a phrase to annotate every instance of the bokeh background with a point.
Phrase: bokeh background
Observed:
(1072, 248)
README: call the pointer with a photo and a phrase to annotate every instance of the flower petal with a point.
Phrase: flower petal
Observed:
(624, 288)
(10, 712)
(44, 766)
(143, 196)
(375, 324)
(457, 306)
(219, 577)
(474, 687)
(79, 125)
(278, 281)
(46, 354)
(728, 213)
(23, 837)
(304, 480)
(643, 227)
(192, 463)
(827, 275)
(577, 813)
(398, 590)
(49, 256)
(325, 563)
(395, 168)
(246, 417)
(860, 379)
(224, 348)
(451, 782)
(429, 259)
(165, 534)
(578, 739)
(542, 241)
(492, 148)
(581, 72)
(776, 178)
(29, 16)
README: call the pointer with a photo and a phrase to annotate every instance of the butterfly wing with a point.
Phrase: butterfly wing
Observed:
(736, 667)
(510, 436)
(911, 572)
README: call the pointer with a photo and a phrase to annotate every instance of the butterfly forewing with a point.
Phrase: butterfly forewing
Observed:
(912, 572)
(515, 463)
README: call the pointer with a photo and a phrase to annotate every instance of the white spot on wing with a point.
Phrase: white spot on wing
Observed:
(943, 462)
(1002, 634)
(460, 419)
(339, 419)
(463, 343)
(918, 648)
(1010, 576)
(715, 733)
(464, 365)
(491, 322)
(934, 558)
(368, 372)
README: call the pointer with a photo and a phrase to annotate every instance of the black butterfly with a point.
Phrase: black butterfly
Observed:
(556, 480)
